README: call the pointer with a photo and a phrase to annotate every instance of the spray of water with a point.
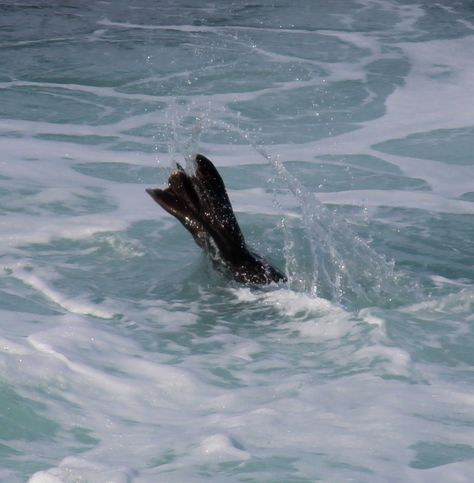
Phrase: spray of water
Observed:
(335, 263)
(345, 269)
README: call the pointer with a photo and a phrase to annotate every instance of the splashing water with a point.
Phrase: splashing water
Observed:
(344, 268)
(126, 357)
(324, 257)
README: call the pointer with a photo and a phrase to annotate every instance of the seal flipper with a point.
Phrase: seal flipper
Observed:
(200, 202)
(181, 185)
(169, 202)
(180, 201)
(217, 214)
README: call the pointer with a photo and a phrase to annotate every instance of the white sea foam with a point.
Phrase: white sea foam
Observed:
(73, 305)
(432, 202)
(127, 360)
(221, 447)
(425, 102)
(76, 469)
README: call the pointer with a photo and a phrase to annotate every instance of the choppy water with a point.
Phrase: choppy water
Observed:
(344, 132)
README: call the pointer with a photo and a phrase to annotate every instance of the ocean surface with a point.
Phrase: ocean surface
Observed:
(344, 132)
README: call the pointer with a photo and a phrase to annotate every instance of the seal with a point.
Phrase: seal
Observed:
(200, 202)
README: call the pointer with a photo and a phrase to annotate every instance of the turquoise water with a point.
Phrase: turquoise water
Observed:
(344, 133)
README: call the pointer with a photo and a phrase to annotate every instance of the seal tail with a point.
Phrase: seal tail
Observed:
(200, 202)
(181, 200)
(216, 211)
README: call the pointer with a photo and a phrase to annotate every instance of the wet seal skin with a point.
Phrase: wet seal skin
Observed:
(200, 202)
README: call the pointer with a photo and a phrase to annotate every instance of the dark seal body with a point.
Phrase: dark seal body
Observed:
(200, 202)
